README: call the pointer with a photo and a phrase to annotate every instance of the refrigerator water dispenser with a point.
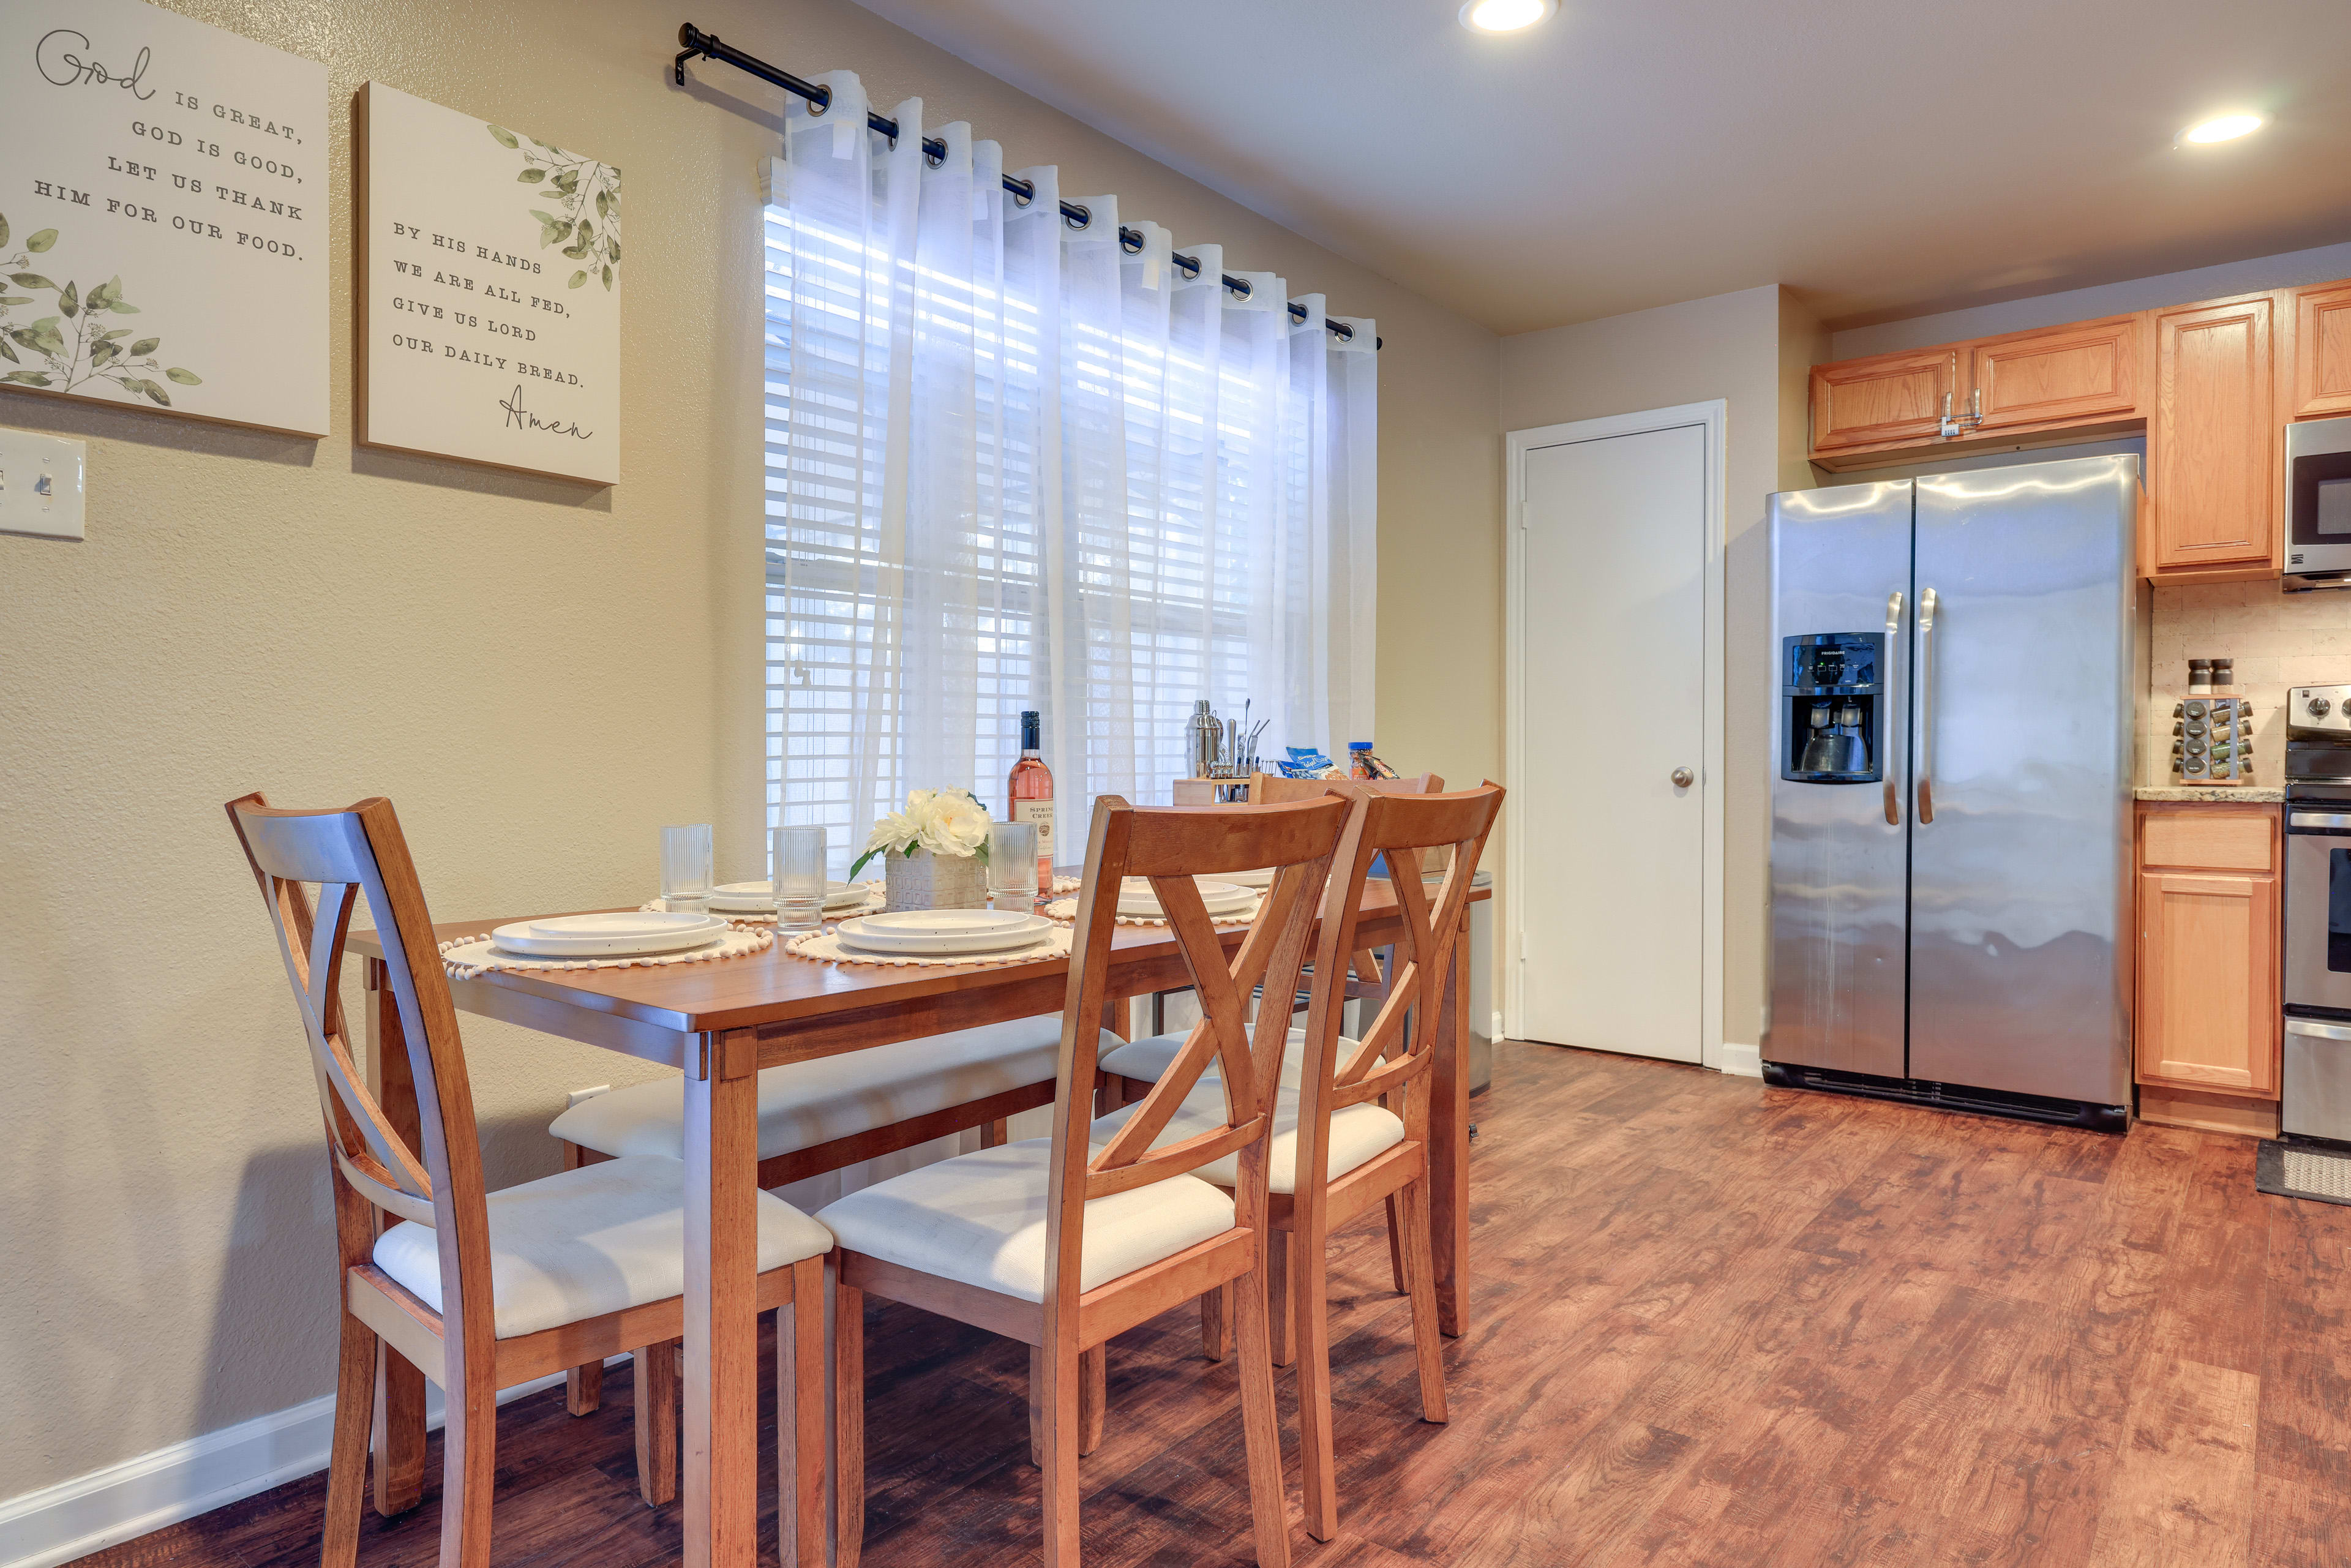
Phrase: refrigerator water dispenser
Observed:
(1833, 687)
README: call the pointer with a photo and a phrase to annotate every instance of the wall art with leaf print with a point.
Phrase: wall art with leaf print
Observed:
(490, 306)
(162, 216)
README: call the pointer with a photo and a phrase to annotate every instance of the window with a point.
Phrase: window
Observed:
(1010, 465)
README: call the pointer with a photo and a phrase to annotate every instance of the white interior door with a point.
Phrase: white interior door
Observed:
(1611, 846)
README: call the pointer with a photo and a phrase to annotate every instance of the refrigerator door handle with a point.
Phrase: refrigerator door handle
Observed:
(1893, 641)
(1925, 705)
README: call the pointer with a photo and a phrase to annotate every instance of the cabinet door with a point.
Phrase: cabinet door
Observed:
(2077, 374)
(2321, 350)
(2208, 1008)
(1886, 399)
(2213, 441)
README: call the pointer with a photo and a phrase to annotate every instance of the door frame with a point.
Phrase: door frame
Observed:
(1518, 445)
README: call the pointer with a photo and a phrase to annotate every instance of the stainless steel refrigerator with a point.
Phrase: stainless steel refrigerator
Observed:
(1957, 661)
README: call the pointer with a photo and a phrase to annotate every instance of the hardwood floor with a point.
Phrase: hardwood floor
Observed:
(1716, 1327)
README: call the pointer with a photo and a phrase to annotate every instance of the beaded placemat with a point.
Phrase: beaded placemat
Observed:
(465, 956)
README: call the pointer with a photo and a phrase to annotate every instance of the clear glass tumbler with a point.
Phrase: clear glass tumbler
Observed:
(1012, 866)
(685, 869)
(796, 873)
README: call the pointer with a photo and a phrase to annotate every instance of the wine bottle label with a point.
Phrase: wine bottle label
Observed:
(1041, 813)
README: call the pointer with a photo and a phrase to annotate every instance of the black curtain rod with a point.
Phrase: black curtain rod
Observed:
(697, 42)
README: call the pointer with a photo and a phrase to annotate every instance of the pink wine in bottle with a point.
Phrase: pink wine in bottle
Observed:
(1029, 792)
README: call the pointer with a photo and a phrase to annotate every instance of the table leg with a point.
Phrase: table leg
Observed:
(1449, 1144)
(721, 1435)
(398, 1481)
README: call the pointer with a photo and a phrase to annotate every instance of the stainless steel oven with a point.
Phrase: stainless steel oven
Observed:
(2318, 504)
(2318, 908)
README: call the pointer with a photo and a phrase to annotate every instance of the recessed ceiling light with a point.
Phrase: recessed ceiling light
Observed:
(2219, 127)
(1505, 15)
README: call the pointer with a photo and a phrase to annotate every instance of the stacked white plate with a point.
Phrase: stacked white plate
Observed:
(631, 934)
(1225, 900)
(934, 932)
(758, 897)
(1262, 877)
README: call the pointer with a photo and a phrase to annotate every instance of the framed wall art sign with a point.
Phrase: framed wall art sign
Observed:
(164, 215)
(490, 292)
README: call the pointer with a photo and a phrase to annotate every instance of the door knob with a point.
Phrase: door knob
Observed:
(1683, 777)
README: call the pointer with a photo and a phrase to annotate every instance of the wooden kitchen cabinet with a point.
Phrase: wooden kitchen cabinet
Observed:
(1887, 400)
(2208, 1008)
(2084, 373)
(2214, 444)
(2322, 352)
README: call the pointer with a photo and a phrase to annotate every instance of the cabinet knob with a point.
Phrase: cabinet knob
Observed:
(1683, 777)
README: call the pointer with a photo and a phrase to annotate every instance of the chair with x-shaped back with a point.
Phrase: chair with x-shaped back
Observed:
(1062, 1242)
(1351, 1123)
(481, 1290)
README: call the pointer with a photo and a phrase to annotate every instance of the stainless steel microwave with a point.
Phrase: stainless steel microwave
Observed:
(2318, 504)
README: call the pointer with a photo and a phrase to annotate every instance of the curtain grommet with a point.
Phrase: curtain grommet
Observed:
(817, 106)
(1076, 216)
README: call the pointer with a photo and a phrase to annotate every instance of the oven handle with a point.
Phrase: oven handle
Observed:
(2318, 821)
(2318, 1031)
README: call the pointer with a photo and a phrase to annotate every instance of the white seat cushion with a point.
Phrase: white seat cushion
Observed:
(1357, 1133)
(583, 1243)
(810, 1103)
(1148, 1058)
(980, 1218)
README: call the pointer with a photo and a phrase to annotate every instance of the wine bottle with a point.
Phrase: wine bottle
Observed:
(1030, 795)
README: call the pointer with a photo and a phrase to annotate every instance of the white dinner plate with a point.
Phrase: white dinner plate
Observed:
(688, 931)
(1135, 897)
(615, 922)
(944, 931)
(755, 897)
(1261, 877)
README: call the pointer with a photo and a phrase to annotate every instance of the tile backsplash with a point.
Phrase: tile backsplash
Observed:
(2278, 640)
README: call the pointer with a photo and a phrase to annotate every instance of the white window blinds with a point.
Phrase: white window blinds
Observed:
(1011, 464)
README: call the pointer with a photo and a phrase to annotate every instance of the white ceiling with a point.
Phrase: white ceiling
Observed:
(1884, 158)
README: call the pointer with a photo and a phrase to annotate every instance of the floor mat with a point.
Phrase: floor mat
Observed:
(2290, 1170)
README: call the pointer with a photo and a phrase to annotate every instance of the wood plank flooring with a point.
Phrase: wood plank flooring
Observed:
(1716, 1327)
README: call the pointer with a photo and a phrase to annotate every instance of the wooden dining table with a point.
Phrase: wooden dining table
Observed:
(720, 1022)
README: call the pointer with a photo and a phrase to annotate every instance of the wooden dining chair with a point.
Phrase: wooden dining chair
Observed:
(1061, 1243)
(480, 1289)
(1131, 1066)
(1351, 1130)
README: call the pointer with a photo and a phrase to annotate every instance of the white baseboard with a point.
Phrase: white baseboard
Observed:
(1494, 1029)
(1742, 1060)
(180, 1480)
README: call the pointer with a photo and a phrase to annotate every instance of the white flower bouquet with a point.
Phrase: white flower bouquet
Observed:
(949, 823)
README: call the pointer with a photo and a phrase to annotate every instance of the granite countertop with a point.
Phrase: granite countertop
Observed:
(2221, 794)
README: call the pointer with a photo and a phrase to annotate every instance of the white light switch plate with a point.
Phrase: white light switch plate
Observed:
(40, 484)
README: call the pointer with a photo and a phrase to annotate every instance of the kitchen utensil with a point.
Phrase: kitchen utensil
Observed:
(758, 897)
(578, 936)
(1138, 901)
(944, 931)
(1012, 866)
(796, 862)
(686, 868)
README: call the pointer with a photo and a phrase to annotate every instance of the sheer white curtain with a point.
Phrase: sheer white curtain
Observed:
(1013, 464)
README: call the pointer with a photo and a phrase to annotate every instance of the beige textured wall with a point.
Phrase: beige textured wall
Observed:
(1728, 347)
(2278, 640)
(538, 673)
